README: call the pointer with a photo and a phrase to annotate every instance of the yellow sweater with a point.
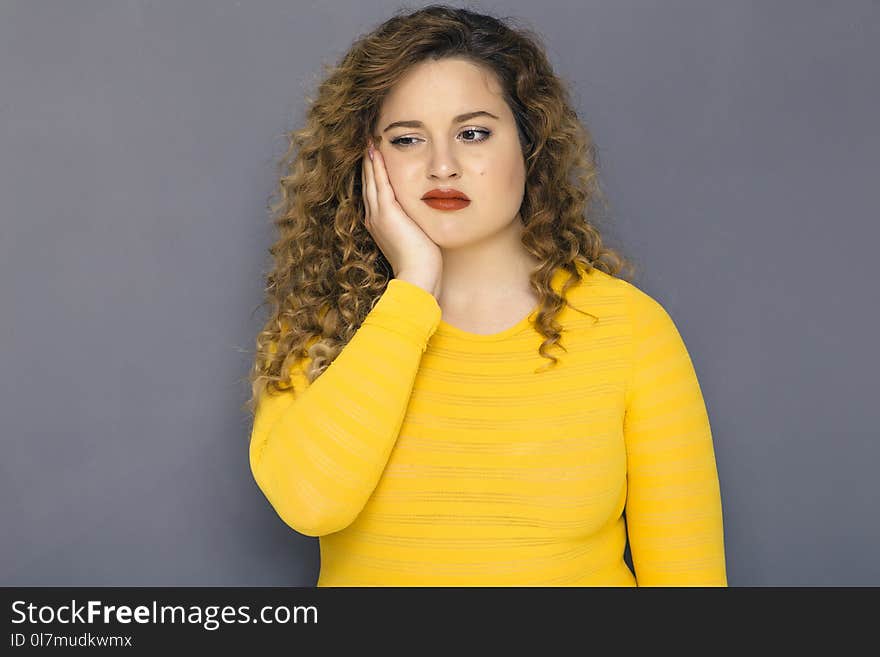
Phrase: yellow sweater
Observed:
(426, 455)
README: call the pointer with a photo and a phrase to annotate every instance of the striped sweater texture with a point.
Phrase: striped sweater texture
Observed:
(426, 455)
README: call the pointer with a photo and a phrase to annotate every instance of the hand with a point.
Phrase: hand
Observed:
(411, 253)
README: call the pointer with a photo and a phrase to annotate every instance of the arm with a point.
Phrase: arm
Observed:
(318, 456)
(673, 505)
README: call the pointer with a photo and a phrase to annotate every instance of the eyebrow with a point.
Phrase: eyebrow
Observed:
(418, 124)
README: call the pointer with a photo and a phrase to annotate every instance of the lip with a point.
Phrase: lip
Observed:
(445, 194)
(446, 203)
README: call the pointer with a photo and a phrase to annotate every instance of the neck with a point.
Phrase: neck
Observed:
(486, 273)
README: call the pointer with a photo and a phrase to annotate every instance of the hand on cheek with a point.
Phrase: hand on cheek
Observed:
(389, 170)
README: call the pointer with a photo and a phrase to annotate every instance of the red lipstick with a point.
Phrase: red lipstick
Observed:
(446, 199)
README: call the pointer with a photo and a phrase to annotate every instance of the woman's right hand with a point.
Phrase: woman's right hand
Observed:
(411, 253)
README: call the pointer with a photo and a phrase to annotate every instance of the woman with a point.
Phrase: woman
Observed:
(435, 243)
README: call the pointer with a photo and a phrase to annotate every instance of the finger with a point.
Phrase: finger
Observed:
(371, 189)
(384, 192)
(364, 189)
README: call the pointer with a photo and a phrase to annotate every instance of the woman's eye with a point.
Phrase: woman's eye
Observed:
(408, 141)
(477, 130)
(400, 141)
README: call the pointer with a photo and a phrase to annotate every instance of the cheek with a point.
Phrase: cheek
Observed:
(504, 167)
(502, 176)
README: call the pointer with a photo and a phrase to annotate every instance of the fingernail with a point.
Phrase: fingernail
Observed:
(371, 151)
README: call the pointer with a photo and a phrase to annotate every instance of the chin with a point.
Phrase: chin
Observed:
(451, 236)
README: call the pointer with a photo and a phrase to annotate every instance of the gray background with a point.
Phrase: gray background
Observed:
(739, 147)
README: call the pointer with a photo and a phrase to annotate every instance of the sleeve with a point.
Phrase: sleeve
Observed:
(673, 503)
(318, 456)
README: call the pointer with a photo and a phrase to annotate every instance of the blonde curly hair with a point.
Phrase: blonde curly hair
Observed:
(328, 272)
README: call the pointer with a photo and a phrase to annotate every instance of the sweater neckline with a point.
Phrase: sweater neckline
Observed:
(446, 329)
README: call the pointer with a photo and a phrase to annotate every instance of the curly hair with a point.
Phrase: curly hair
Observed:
(328, 272)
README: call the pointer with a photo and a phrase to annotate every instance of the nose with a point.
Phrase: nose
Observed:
(443, 163)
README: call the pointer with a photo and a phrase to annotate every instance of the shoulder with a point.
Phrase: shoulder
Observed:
(598, 288)
(643, 306)
(595, 284)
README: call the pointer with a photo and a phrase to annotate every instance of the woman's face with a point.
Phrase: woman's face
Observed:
(479, 156)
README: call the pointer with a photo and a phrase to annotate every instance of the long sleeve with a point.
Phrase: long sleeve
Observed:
(673, 505)
(317, 456)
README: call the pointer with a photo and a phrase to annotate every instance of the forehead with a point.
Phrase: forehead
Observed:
(447, 86)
